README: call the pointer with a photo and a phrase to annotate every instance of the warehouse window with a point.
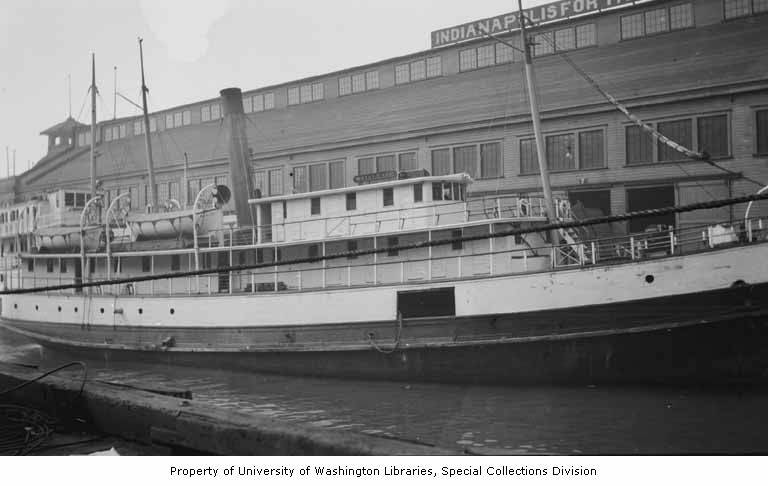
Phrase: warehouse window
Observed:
(468, 59)
(259, 102)
(681, 131)
(358, 83)
(366, 165)
(565, 39)
(559, 150)
(591, 149)
(657, 20)
(581, 150)
(681, 16)
(318, 177)
(710, 133)
(293, 96)
(713, 135)
(418, 70)
(481, 161)
(407, 161)
(632, 26)
(387, 162)
(737, 8)
(402, 73)
(486, 56)
(306, 93)
(543, 44)
(762, 131)
(434, 66)
(639, 145)
(586, 35)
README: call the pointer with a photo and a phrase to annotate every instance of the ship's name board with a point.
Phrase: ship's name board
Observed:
(503, 23)
(386, 175)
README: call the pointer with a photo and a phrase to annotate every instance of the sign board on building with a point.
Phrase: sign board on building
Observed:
(500, 24)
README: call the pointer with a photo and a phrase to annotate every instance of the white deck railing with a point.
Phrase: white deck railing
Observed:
(423, 265)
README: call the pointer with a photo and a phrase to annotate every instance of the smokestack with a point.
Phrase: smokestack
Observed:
(239, 173)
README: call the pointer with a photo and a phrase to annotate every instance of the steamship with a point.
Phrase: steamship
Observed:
(405, 275)
(400, 277)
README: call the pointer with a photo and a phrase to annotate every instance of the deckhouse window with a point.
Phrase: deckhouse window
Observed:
(418, 192)
(175, 262)
(351, 201)
(146, 264)
(63, 265)
(315, 206)
(388, 196)
(447, 191)
(49, 265)
(30, 264)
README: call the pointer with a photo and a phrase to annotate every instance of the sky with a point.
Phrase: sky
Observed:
(192, 50)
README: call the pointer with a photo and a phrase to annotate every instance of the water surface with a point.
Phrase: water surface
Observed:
(517, 420)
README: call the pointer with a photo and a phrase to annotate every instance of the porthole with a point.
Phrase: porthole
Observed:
(101, 310)
(173, 311)
(37, 307)
(75, 309)
(141, 311)
(649, 279)
(59, 308)
(15, 306)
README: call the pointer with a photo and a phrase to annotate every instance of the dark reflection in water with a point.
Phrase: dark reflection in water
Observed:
(518, 420)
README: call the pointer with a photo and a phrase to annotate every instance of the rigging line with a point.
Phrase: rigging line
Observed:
(700, 156)
(711, 196)
(413, 246)
(619, 106)
(218, 139)
(129, 100)
(101, 105)
(82, 107)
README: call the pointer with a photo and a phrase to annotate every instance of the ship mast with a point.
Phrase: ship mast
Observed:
(93, 124)
(534, 102)
(532, 97)
(150, 165)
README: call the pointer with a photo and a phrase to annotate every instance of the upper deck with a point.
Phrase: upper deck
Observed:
(398, 204)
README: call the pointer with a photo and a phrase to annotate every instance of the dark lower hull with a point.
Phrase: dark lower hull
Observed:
(717, 337)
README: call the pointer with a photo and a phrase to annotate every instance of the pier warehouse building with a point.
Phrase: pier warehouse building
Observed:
(694, 69)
